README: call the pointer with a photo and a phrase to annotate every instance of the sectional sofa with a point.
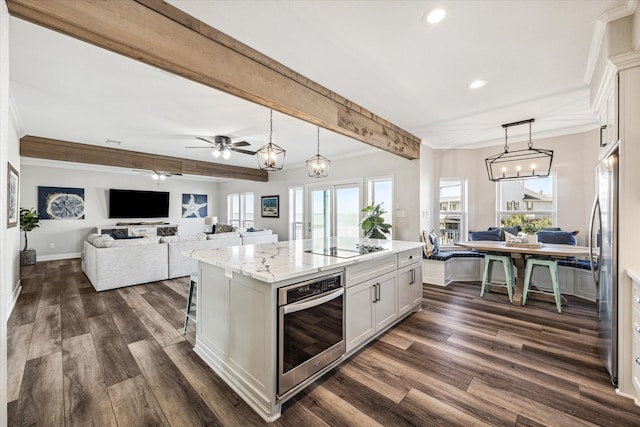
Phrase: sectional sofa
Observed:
(114, 263)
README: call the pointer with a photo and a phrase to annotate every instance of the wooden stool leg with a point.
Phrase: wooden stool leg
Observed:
(192, 284)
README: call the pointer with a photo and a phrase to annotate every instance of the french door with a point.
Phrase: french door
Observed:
(334, 210)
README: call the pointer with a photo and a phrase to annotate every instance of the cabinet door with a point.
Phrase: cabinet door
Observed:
(409, 287)
(359, 320)
(386, 306)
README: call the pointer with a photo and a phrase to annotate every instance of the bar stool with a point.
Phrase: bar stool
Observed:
(193, 283)
(489, 259)
(552, 265)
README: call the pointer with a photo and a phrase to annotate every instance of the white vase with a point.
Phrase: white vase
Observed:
(532, 239)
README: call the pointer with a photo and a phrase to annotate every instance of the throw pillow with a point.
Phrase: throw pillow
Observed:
(491, 235)
(223, 228)
(431, 246)
(557, 237)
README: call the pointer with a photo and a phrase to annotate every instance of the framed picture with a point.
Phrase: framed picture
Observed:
(61, 203)
(270, 207)
(13, 181)
(194, 205)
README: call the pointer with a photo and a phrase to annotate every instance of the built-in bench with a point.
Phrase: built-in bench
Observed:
(445, 267)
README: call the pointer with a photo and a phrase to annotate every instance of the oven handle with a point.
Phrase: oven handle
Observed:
(312, 302)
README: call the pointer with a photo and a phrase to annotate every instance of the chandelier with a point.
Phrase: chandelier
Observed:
(318, 166)
(271, 156)
(526, 163)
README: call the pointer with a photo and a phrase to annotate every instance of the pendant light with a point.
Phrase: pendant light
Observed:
(318, 166)
(270, 156)
(526, 163)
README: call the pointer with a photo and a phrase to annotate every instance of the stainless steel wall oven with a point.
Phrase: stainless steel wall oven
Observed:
(310, 329)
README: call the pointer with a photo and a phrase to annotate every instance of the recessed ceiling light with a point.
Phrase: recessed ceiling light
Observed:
(477, 84)
(435, 15)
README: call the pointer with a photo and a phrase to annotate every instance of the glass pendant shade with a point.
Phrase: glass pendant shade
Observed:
(226, 153)
(526, 163)
(216, 153)
(270, 156)
(318, 166)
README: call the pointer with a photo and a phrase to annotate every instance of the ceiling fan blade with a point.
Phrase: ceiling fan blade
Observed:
(240, 150)
(205, 140)
(208, 148)
(239, 144)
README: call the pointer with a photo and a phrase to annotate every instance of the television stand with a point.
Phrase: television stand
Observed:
(155, 229)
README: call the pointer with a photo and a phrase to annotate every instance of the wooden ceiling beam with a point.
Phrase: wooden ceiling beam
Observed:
(54, 149)
(161, 35)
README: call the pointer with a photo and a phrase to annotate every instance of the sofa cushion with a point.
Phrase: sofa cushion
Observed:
(557, 237)
(185, 238)
(224, 228)
(492, 235)
(252, 232)
(504, 230)
(131, 242)
(102, 241)
(230, 235)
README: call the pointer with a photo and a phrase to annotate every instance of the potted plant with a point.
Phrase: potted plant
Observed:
(373, 224)
(29, 220)
(531, 229)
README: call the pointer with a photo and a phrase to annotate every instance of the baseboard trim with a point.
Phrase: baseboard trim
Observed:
(14, 299)
(58, 256)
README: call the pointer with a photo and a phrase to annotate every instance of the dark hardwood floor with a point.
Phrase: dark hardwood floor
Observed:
(78, 357)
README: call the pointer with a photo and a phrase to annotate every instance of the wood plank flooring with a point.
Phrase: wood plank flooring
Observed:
(78, 357)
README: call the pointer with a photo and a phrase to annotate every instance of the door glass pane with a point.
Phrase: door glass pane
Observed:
(383, 194)
(347, 211)
(248, 206)
(450, 211)
(320, 214)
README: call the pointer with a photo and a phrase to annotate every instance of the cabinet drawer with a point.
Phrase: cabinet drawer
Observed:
(409, 257)
(636, 295)
(369, 269)
(635, 355)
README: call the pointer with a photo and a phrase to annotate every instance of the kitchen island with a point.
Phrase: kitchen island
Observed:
(242, 306)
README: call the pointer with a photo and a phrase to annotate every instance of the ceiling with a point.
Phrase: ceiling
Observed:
(378, 54)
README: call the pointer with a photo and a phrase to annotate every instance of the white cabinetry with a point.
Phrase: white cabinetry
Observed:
(371, 299)
(409, 281)
(371, 306)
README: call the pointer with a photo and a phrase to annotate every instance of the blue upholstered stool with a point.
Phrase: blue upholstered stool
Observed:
(552, 265)
(193, 283)
(489, 259)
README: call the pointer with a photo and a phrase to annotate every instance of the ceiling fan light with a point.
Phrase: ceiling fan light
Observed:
(216, 153)
(226, 153)
(155, 176)
(163, 177)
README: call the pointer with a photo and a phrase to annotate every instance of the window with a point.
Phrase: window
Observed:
(527, 200)
(296, 213)
(381, 191)
(453, 217)
(334, 210)
(240, 210)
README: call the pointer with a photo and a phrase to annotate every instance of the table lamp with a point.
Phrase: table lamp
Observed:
(211, 221)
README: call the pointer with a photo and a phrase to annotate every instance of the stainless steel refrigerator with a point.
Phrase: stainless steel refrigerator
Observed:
(603, 239)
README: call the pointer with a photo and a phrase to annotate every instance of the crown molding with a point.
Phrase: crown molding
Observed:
(626, 9)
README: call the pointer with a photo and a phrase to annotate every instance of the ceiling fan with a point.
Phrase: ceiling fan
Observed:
(158, 175)
(222, 146)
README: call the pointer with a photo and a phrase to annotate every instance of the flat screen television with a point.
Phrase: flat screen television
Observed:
(138, 204)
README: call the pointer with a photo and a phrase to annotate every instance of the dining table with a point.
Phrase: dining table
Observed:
(519, 252)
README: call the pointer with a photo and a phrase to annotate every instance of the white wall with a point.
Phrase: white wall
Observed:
(8, 236)
(574, 162)
(406, 176)
(67, 235)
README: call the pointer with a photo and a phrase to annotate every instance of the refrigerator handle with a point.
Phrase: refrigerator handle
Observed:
(594, 210)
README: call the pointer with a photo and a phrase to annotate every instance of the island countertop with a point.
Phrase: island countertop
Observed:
(273, 262)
